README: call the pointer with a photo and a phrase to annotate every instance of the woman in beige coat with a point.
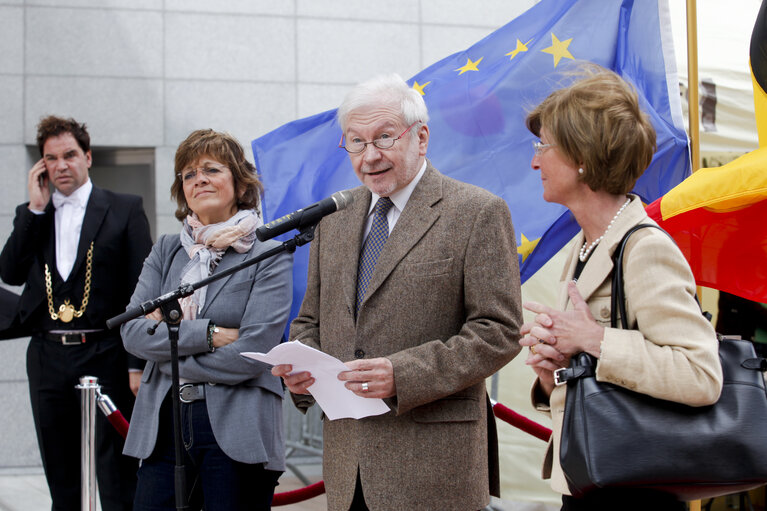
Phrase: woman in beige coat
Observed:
(594, 144)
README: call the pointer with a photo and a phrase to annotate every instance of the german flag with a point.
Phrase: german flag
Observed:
(718, 216)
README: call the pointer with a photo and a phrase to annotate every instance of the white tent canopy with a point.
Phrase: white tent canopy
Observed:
(724, 36)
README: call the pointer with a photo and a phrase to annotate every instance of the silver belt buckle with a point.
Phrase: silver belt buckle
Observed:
(188, 393)
(66, 342)
(558, 377)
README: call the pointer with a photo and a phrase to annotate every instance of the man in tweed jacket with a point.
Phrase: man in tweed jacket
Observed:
(439, 314)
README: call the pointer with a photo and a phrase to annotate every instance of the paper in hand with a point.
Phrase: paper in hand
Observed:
(334, 398)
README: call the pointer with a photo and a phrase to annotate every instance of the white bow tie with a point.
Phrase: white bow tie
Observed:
(59, 200)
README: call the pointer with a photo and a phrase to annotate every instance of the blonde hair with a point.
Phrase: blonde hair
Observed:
(597, 124)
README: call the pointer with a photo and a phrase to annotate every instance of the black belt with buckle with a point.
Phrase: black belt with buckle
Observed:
(74, 337)
(191, 392)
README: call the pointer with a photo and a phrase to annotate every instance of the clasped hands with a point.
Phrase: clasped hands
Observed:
(370, 377)
(554, 336)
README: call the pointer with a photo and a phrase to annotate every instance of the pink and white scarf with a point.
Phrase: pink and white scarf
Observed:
(206, 245)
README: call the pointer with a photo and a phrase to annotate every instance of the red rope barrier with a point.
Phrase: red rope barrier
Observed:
(118, 421)
(520, 421)
(115, 417)
(299, 495)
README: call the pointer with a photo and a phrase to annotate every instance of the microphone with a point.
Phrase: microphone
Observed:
(305, 217)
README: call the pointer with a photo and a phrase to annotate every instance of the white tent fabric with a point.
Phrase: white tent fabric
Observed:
(521, 455)
(724, 35)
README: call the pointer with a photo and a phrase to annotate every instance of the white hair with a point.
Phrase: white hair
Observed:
(382, 90)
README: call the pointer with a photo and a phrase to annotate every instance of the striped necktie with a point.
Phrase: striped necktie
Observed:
(379, 232)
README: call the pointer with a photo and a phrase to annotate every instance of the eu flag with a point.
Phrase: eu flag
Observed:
(478, 100)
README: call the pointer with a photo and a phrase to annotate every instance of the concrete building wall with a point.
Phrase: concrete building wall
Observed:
(144, 73)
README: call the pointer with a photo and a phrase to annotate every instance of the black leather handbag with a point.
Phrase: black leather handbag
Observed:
(613, 437)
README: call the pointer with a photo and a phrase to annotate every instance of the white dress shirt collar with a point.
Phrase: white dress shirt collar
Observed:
(77, 198)
(400, 198)
(69, 216)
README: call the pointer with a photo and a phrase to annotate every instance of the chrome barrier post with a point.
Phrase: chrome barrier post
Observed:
(89, 386)
(105, 403)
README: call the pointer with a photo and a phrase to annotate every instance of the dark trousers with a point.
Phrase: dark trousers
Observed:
(213, 479)
(358, 502)
(623, 499)
(53, 371)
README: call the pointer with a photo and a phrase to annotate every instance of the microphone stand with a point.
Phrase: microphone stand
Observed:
(171, 315)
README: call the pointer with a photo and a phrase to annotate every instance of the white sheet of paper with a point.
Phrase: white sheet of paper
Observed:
(334, 398)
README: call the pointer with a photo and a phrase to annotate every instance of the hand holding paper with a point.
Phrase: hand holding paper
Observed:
(330, 393)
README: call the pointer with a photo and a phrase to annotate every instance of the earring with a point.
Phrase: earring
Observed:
(580, 171)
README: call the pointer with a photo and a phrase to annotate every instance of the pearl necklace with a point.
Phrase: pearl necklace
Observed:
(584, 253)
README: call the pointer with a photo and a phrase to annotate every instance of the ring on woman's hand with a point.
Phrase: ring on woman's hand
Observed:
(532, 350)
(364, 387)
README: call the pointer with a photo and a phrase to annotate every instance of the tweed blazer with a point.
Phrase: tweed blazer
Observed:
(243, 399)
(443, 304)
(671, 350)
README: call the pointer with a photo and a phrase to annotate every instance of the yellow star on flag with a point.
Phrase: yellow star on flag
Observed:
(520, 47)
(559, 49)
(470, 66)
(420, 87)
(526, 247)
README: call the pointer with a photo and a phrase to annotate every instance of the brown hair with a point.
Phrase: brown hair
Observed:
(225, 149)
(597, 124)
(53, 126)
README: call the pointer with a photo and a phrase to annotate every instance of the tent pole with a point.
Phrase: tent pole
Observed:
(693, 103)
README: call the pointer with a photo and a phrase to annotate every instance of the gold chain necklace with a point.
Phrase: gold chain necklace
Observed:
(67, 310)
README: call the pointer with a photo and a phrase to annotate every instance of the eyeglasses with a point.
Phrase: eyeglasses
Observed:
(356, 145)
(209, 172)
(539, 147)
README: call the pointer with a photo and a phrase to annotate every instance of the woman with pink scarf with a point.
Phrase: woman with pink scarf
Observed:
(231, 407)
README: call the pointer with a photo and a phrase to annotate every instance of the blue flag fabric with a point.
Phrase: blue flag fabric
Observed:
(478, 100)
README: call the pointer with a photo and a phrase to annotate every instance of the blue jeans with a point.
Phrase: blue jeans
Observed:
(214, 481)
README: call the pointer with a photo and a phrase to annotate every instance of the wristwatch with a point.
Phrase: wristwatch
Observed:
(212, 329)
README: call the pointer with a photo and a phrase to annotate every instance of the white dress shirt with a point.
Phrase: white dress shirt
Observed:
(399, 199)
(70, 212)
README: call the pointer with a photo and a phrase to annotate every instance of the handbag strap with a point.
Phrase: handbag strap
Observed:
(575, 371)
(565, 374)
(618, 301)
(757, 364)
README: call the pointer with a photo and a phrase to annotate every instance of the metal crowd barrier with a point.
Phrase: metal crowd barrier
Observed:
(89, 387)
(303, 440)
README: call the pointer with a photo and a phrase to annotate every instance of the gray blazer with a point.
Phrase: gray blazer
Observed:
(244, 400)
(443, 304)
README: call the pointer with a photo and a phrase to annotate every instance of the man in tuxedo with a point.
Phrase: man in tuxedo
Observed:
(78, 252)
(416, 287)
